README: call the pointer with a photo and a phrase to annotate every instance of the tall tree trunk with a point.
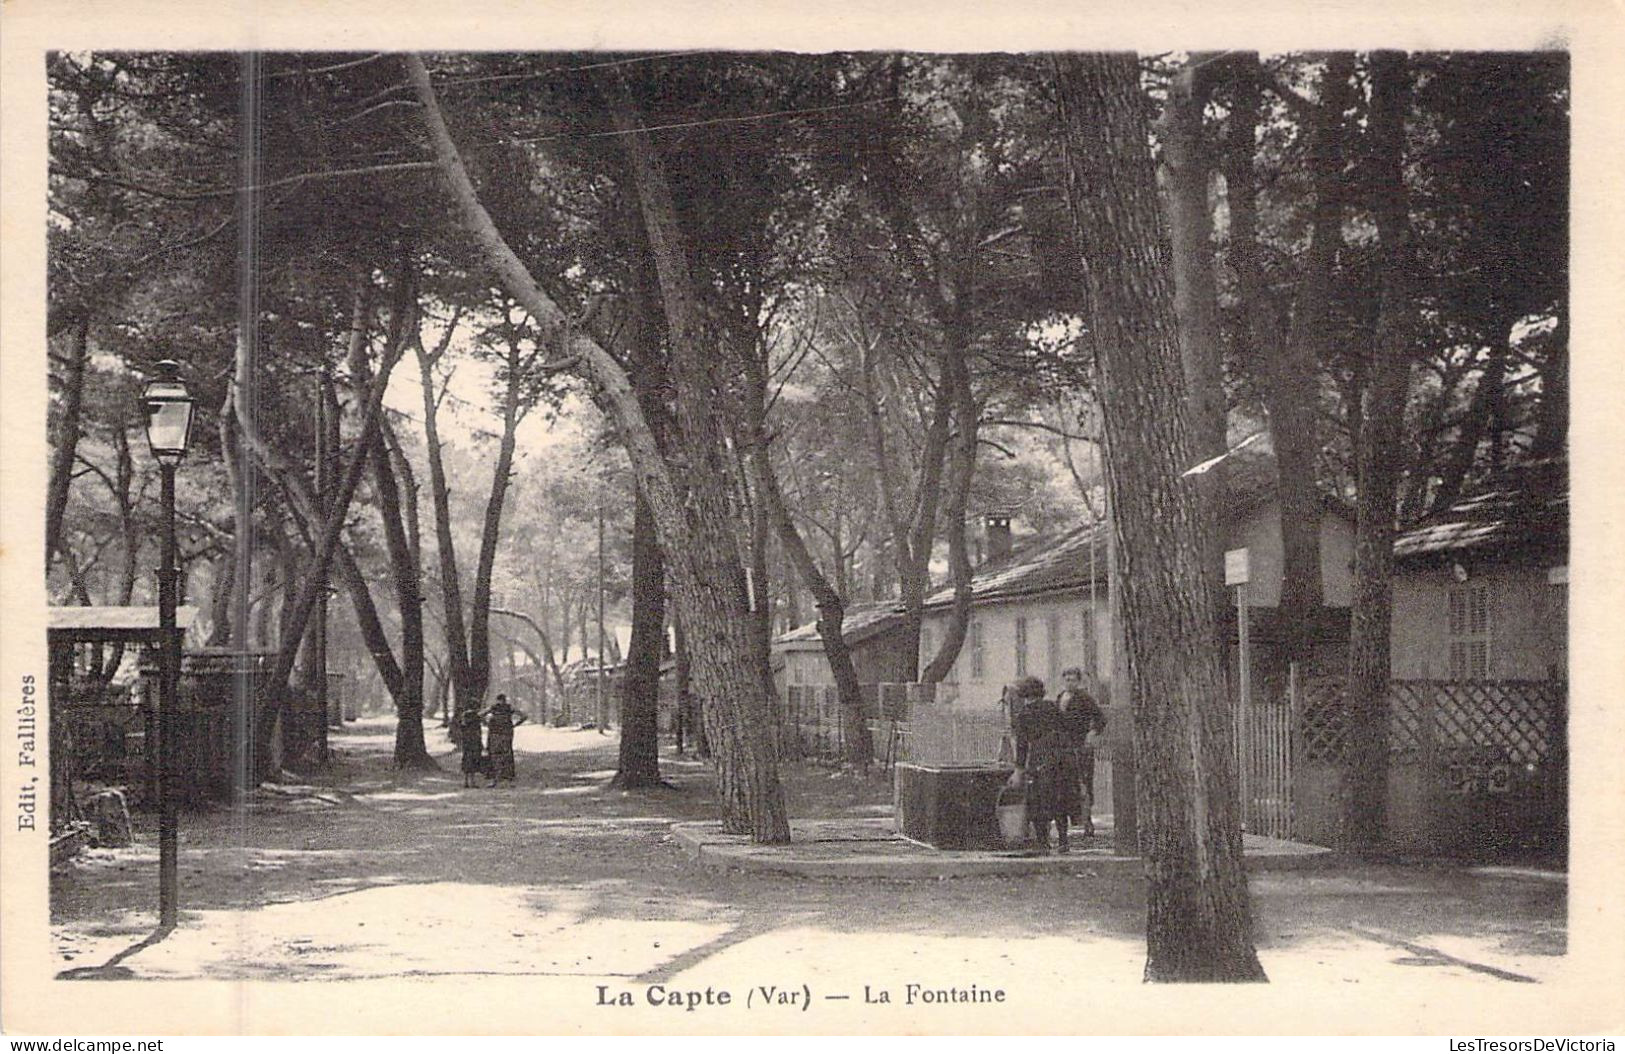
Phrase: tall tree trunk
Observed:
(1188, 163)
(451, 588)
(65, 437)
(687, 705)
(710, 583)
(911, 540)
(1382, 422)
(220, 601)
(1198, 925)
(692, 513)
(479, 618)
(1479, 419)
(368, 623)
(639, 762)
(1289, 362)
(760, 596)
(410, 747)
(411, 751)
(274, 687)
(967, 420)
(124, 479)
(228, 601)
(1552, 415)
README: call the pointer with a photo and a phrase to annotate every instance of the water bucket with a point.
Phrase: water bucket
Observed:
(1012, 813)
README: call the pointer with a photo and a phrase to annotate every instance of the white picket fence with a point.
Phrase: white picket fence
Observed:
(1264, 764)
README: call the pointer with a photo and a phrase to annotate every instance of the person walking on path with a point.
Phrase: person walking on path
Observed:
(502, 719)
(469, 738)
(1046, 762)
(1083, 719)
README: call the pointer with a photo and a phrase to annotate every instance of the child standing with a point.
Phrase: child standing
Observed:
(1085, 722)
(468, 735)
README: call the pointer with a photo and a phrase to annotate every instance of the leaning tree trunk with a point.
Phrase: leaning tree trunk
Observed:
(1382, 416)
(910, 538)
(688, 494)
(1198, 924)
(274, 688)
(859, 747)
(639, 764)
(1479, 418)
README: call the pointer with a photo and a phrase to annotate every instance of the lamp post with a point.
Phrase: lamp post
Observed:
(168, 406)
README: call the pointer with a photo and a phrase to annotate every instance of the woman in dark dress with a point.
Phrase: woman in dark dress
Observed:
(502, 720)
(1047, 763)
(468, 737)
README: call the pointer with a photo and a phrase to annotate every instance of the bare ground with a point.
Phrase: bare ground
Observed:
(374, 873)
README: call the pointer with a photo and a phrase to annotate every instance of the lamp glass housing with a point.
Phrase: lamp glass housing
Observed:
(169, 419)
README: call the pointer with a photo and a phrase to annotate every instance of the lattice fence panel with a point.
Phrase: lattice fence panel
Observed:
(1511, 718)
(1323, 725)
(1407, 718)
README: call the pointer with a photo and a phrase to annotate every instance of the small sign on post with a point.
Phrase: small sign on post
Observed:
(1237, 567)
(1237, 570)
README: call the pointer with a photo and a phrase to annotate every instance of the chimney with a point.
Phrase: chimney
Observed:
(998, 536)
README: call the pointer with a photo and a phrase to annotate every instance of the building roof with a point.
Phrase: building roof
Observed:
(93, 623)
(1041, 564)
(1524, 510)
(1071, 558)
(861, 622)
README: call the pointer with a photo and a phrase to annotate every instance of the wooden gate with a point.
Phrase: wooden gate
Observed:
(1264, 762)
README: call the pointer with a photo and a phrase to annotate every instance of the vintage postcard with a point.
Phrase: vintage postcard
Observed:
(637, 519)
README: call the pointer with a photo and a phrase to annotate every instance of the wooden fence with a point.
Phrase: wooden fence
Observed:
(812, 726)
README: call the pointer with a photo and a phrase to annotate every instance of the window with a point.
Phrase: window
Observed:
(1052, 634)
(1021, 646)
(973, 637)
(1469, 633)
(798, 672)
(927, 648)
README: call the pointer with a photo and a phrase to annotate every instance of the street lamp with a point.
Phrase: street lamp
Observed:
(168, 406)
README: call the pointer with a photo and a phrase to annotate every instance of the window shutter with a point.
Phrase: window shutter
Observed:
(1478, 610)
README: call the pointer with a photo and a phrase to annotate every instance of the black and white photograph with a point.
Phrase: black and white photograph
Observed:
(581, 533)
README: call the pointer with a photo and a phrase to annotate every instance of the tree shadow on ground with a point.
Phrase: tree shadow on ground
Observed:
(609, 854)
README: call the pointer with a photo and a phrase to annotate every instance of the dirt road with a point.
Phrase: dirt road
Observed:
(374, 874)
